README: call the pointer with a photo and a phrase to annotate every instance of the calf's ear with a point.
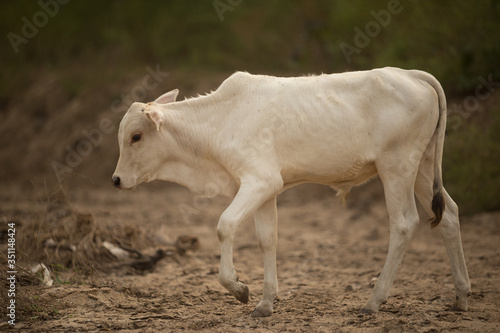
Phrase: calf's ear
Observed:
(156, 117)
(168, 97)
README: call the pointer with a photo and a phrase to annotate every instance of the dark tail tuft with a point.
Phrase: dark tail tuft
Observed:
(437, 204)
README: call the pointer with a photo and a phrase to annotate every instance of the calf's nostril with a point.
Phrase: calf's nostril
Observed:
(116, 181)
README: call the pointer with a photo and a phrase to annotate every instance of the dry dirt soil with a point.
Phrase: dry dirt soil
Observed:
(327, 258)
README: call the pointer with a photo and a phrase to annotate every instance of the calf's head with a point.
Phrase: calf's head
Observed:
(141, 142)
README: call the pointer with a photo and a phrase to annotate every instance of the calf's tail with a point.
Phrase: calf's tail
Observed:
(438, 203)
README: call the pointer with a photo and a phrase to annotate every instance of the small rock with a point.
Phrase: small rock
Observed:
(46, 280)
(353, 287)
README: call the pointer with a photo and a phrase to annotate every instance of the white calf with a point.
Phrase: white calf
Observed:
(256, 136)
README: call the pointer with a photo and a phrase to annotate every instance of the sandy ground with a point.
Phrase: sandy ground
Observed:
(327, 258)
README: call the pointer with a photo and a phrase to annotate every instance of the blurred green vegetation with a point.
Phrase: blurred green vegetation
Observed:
(471, 170)
(95, 44)
(454, 40)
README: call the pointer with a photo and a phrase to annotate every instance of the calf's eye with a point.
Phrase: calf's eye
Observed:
(136, 137)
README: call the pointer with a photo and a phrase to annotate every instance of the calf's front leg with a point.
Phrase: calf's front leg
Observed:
(253, 193)
(266, 228)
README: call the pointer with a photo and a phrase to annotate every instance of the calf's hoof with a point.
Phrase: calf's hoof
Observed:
(370, 307)
(263, 309)
(237, 289)
(366, 310)
(259, 312)
(242, 295)
(460, 304)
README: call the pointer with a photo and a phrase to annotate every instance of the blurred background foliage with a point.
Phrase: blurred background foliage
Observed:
(90, 53)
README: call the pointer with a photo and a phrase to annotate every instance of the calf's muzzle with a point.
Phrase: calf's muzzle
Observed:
(116, 181)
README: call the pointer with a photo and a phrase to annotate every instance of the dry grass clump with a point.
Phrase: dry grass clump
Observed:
(73, 245)
(66, 237)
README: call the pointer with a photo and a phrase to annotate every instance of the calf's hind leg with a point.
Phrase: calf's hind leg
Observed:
(449, 227)
(403, 218)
